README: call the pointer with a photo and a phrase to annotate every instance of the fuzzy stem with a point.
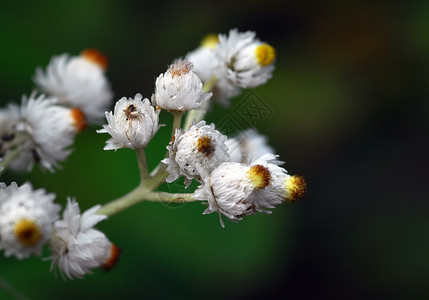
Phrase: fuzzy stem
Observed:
(9, 157)
(158, 175)
(140, 194)
(177, 121)
(141, 158)
(209, 85)
(145, 190)
(194, 114)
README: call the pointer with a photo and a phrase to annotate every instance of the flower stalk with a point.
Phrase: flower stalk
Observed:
(8, 158)
(139, 194)
(145, 190)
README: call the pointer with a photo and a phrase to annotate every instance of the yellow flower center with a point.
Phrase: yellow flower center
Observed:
(210, 41)
(295, 187)
(259, 176)
(265, 54)
(96, 57)
(206, 146)
(27, 232)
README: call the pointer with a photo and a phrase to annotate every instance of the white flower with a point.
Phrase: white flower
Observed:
(76, 246)
(227, 190)
(179, 89)
(46, 131)
(244, 60)
(205, 63)
(237, 190)
(201, 147)
(204, 59)
(26, 219)
(248, 146)
(132, 125)
(78, 81)
(282, 187)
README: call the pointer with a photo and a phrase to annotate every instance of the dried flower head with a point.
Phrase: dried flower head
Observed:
(179, 89)
(201, 147)
(132, 125)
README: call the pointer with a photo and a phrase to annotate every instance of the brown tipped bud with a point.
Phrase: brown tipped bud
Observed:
(180, 67)
(79, 120)
(96, 57)
(112, 260)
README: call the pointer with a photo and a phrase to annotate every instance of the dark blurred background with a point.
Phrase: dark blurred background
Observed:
(347, 108)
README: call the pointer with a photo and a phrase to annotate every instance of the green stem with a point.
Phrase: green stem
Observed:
(194, 114)
(177, 122)
(10, 157)
(209, 85)
(140, 194)
(145, 190)
(158, 175)
(141, 158)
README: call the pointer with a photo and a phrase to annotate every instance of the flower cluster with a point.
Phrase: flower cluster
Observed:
(41, 130)
(78, 81)
(132, 125)
(43, 127)
(237, 60)
(200, 147)
(237, 190)
(237, 176)
(29, 219)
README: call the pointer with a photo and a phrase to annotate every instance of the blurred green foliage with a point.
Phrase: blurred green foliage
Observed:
(350, 112)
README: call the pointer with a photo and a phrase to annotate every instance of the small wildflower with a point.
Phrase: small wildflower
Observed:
(78, 81)
(245, 61)
(132, 125)
(227, 190)
(26, 218)
(237, 190)
(46, 131)
(77, 247)
(200, 147)
(205, 63)
(281, 188)
(179, 89)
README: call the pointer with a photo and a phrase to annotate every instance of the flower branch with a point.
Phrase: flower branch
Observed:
(237, 176)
